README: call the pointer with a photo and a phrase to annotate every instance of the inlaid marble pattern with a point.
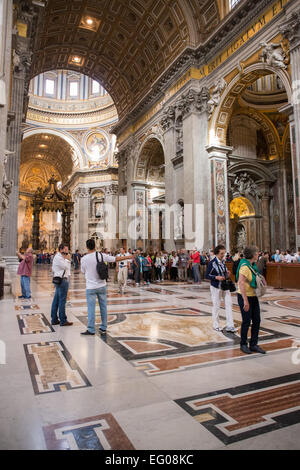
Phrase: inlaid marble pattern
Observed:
(96, 433)
(52, 368)
(168, 340)
(239, 413)
(119, 302)
(289, 304)
(27, 307)
(33, 324)
(170, 351)
(287, 320)
(162, 365)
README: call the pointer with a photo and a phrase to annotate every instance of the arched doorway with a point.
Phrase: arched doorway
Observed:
(243, 223)
(252, 122)
(149, 195)
(43, 155)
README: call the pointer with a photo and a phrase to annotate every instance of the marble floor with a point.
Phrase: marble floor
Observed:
(160, 379)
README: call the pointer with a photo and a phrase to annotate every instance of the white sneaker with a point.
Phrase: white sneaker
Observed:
(232, 330)
(218, 329)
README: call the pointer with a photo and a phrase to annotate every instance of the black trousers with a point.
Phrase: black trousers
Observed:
(174, 273)
(158, 273)
(147, 276)
(253, 315)
(137, 275)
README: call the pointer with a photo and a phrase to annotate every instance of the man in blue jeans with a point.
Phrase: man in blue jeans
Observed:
(61, 268)
(96, 287)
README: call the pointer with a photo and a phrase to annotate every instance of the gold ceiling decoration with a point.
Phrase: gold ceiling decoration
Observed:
(134, 44)
(241, 207)
(57, 154)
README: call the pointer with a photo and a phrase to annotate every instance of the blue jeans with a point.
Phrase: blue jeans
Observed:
(59, 303)
(25, 286)
(196, 272)
(91, 296)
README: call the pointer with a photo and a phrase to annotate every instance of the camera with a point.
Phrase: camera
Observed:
(227, 284)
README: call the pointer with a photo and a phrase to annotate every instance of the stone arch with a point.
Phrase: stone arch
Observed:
(258, 171)
(223, 112)
(79, 159)
(270, 132)
(152, 148)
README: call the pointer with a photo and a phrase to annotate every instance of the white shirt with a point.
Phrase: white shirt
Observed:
(289, 258)
(123, 264)
(175, 261)
(60, 266)
(89, 269)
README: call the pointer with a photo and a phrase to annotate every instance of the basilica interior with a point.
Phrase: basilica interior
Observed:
(152, 125)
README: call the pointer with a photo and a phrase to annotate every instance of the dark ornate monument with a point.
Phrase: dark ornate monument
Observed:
(52, 200)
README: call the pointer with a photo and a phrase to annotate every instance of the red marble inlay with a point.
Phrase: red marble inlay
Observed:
(252, 409)
(166, 364)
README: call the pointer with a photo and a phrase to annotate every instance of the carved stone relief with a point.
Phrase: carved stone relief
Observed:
(274, 55)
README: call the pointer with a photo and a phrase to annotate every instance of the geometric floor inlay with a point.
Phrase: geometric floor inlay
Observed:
(238, 413)
(290, 320)
(162, 365)
(52, 368)
(96, 433)
(34, 323)
(168, 340)
(27, 307)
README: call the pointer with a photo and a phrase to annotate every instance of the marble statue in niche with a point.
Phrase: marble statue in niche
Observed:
(241, 238)
(244, 185)
(216, 94)
(99, 210)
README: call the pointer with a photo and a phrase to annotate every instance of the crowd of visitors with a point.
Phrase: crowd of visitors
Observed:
(249, 269)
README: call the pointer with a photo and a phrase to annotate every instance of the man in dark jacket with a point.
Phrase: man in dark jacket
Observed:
(216, 273)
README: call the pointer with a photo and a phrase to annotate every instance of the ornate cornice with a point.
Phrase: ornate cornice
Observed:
(290, 29)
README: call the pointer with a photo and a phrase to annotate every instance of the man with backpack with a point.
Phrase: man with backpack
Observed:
(95, 269)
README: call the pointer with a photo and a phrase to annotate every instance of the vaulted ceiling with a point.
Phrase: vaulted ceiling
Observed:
(43, 149)
(125, 44)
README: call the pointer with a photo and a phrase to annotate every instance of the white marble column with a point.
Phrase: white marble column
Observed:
(5, 66)
(111, 217)
(171, 188)
(196, 178)
(19, 87)
(83, 195)
(291, 31)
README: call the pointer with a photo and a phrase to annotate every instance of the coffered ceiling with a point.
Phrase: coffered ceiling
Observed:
(125, 44)
(49, 149)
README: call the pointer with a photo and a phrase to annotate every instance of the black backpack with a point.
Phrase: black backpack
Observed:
(102, 268)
